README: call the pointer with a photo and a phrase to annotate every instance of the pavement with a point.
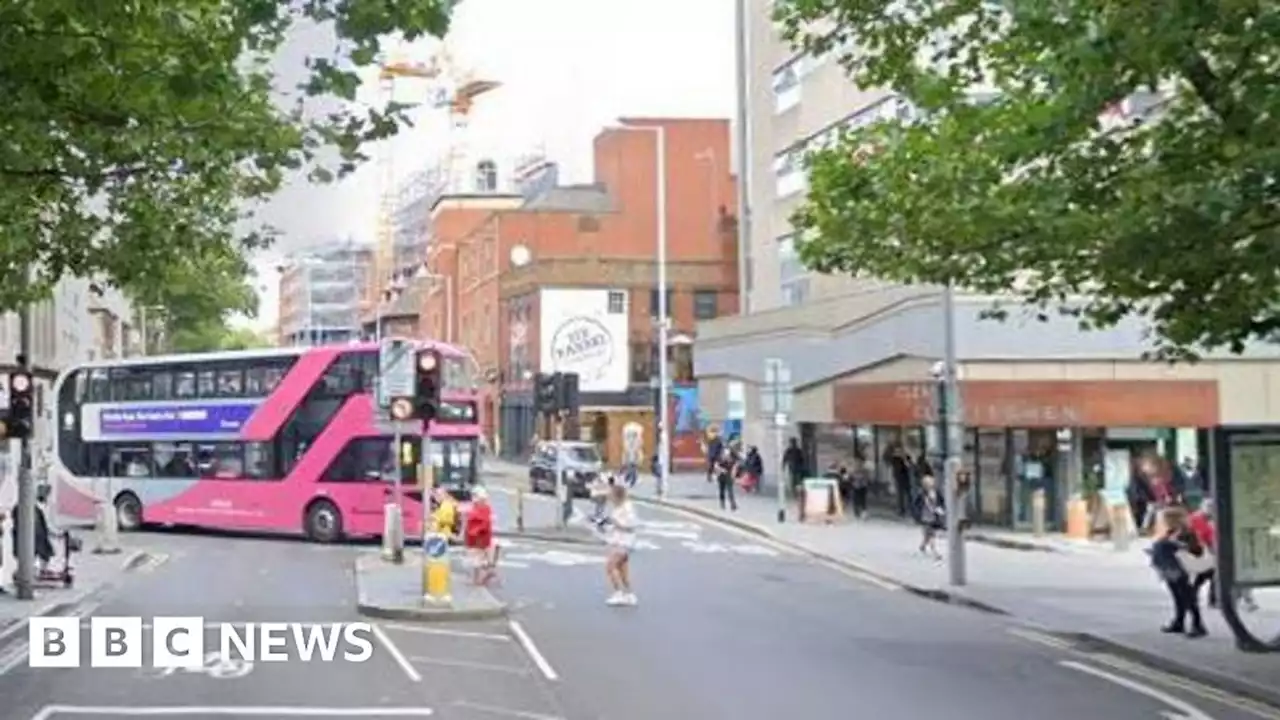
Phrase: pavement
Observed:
(730, 625)
(394, 592)
(1083, 593)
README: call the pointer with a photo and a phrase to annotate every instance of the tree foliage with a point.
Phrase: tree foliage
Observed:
(134, 134)
(194, 297)
(1175, 219)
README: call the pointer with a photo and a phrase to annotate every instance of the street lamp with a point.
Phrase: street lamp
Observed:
(664, 320)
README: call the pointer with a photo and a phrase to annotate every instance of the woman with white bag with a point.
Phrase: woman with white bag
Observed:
(1181, 560)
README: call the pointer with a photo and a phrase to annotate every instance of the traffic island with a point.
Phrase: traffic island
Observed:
(395, 592)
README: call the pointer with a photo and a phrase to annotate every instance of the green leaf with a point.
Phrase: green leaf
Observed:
(1176, 219)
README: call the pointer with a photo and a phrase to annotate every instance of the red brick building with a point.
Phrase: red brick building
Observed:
(591, 261)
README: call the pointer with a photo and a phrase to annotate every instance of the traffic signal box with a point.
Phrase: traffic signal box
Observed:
(427, 385)
(557, 393)
(17, 423)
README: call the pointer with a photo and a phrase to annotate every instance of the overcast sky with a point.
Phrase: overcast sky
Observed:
(567, 68)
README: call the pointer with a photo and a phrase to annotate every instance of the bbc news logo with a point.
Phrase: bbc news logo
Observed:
(179, 642)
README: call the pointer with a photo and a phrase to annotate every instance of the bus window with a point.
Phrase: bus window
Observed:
(271, 377)
(132, 461)
(205, 384)
(230, 383)
(258, 461)
(137, 385)
(343, 377)
(457, 374)
(254, 381)
(224, 461)
(117, 381)
(81, 380)
(99, 386)
(184, 385)
(363, 460)
(175, 460)
(162, 386)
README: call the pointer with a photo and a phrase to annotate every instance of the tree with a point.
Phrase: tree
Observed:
(133, 134)
(195, 296)
(1175, 219)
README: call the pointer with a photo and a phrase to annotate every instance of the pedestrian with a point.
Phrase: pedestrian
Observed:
(619, 529)
(479, 539)
(753, 467)
(859, 486)
(1202, 523)
(714, 448)
(1180, 559)
(793, 461)
(726, 469)
(931, 513)
(900, 468)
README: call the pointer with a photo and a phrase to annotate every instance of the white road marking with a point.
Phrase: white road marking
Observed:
(755, 550)
(445, 632)
(50, 712)
(469, 665)
(215, 666)
(559, 558)
(526, 642)
(670, 534)
(1198, 689)
(494, 710)
(1185, 711)
(395, 653)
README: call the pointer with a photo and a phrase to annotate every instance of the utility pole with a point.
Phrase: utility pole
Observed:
(744, 151)
(775, 401)
(952, 439)
(24, 580)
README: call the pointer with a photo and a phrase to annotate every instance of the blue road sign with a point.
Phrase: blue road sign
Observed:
(437, 546)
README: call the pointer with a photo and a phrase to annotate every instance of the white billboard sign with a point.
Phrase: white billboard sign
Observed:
(582, 331)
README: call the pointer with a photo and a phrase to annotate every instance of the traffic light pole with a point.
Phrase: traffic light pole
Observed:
(24, 580)
(562, 489)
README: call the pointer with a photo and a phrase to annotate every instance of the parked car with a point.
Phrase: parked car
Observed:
(580, 462)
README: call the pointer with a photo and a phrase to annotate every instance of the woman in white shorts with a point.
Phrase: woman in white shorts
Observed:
(620, 534)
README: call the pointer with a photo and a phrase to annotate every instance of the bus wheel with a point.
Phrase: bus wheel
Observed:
(128, 512)
(323, 522)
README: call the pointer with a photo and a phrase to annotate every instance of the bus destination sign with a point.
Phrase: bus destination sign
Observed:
(184, 419)
(456, 412)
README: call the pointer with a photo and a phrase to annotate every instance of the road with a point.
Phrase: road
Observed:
(727, 627)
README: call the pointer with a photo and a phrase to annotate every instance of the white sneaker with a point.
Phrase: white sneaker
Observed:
(631, 600)
(616, 599)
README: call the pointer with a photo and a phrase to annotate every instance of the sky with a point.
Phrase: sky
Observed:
(567, 68)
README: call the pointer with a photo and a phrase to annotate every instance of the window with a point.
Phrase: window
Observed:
(259, 461)
(643, 364)
(206, 383)
(788, 171)
(588, 224)
(793, 277)
(706, 304)
(99, 386)
(131, 461)
(175, 460)
(344, 377)
(617, 302)
(363, 460)
(185, 385)
(223, 461)
(162, 386)
(653, 302)
(786, 88)
(230, 383)
(486, 176)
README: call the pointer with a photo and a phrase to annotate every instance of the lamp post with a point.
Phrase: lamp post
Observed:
(664, 321)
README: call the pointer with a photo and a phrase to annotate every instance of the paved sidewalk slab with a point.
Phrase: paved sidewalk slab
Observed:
(1091, 594)
(394, 592)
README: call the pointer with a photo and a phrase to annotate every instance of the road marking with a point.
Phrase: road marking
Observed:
(469, 665)
(1185, 711)
(395, 653)
(50, 712)
(215, 666)
(670, 534)
(446, 632)
(495, 710)
(1200, 690)
(526, 642)
(1040, 638)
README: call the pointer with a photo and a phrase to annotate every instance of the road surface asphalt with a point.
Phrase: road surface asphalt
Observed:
(727, 627)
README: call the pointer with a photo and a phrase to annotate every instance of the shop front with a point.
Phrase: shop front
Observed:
(1067, 438)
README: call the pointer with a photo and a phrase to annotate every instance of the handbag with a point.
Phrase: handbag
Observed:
(1195, 565)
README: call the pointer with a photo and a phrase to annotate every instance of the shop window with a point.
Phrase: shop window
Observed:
(706, 304)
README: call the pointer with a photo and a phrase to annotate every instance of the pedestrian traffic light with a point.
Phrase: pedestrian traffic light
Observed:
(427, 386)
(547, 393)
(21, 408)
(568, 393)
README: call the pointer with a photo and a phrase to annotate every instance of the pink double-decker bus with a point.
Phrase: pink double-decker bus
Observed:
(279, 440)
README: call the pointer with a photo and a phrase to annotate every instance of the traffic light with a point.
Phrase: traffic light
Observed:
(21, 406)
(547, 393)
(427, 386)
(568, 393)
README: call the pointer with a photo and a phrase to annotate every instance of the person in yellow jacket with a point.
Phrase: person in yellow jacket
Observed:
(445, 518)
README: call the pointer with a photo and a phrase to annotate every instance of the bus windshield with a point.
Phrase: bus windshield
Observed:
(454, 460)
(459, 374)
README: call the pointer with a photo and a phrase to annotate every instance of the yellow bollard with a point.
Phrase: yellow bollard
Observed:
(436, 571)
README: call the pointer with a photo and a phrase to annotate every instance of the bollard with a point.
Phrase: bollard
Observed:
(1120, 532)
(392, 534)
(1037, 512)
(437, 575)
(520, 510)
(108, 530)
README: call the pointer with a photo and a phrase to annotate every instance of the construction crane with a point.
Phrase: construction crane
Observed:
(452, 89)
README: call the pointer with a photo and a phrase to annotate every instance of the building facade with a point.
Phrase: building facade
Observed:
(1048, 406)
(320, 294)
